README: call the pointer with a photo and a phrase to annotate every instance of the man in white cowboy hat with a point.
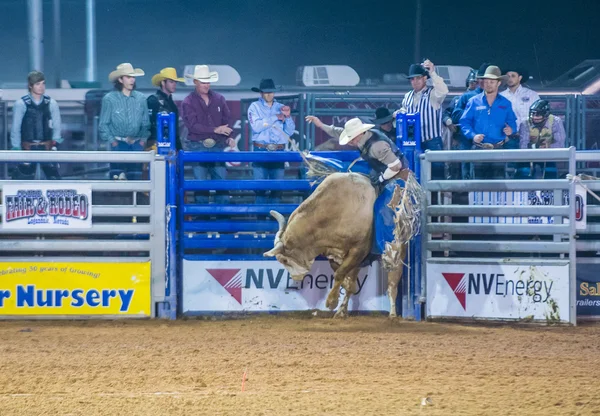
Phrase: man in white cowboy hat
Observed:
(489, 121)
(124, 121)
(162, 101)
(271, 125)
(427, 100)
(383, 156)
(207, 117)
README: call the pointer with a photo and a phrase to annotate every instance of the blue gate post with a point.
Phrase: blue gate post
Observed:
(165, 142)
(410, 143)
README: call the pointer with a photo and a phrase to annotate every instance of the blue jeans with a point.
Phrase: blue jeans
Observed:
(437, 168)
(466, 168)
(133, 171)
(268, 171)
(206, 171)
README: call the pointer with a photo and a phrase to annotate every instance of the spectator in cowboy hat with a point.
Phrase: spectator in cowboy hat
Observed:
(162, 101)
(459, 109)
(519, 96)
(489, 121)
(384, 120)
(206, 116)
(427, 100)
(124, 121)
(271, 125)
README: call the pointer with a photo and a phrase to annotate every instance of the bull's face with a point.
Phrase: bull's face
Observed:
(292, 260)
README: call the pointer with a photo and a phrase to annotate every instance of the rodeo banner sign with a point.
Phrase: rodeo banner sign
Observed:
(74, 289)
(260, 286)
(47, 207)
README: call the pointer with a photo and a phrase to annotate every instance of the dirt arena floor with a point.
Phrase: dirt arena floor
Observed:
(296, 366)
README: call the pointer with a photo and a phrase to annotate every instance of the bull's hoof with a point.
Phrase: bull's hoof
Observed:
(332, 302)
(341, 314)
(392, 315)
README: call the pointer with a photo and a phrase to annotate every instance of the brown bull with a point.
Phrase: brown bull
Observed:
(336, 221)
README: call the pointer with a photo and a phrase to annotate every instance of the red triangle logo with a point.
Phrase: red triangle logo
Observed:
(230, 279)
(458, 284)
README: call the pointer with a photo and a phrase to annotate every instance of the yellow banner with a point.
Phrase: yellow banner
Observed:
(75, 288)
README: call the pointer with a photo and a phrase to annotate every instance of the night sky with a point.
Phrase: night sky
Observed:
(271, 38)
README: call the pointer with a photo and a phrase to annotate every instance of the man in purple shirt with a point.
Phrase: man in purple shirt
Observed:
(206, 116)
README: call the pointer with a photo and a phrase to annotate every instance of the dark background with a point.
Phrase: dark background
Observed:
(263, 38)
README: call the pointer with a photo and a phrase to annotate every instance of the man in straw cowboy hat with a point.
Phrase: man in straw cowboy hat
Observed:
(271, 125)
(387, 163)
(489, 121)
(207, 117)
(124, 121)
(162, 101)
(383, 156)
(383, 120)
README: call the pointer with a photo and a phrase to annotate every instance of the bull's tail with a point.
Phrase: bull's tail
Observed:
(406, 204)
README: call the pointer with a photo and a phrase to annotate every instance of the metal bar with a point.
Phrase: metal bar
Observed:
(158, 240)
(593, 210)
(496, 185)
(215, 209)
(90, 19)
(498, 210)
(515, 229)
(13, 156)
(187, 157)
(520, 155)
(499, 246)
(230, 226)
(572, 241)
(220, 243)
(119, 228)
(57, 43)
(100, 186)
(121, 211)
(260, 184)
(74, 245)
(588, 245)
(36, 35)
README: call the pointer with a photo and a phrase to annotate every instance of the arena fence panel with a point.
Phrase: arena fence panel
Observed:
(509, 253)
(81, 248)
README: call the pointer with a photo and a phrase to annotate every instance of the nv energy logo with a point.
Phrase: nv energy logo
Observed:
(496, 284)
(231, 280)
(458, 284)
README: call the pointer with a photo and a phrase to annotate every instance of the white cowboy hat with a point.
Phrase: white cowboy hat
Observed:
(353, 128)
(125, 69)
(203, 74)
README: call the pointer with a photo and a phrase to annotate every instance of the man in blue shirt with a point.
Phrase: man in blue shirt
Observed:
(489, 121)
(271, 126)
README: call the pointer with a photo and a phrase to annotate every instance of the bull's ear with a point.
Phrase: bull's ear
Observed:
(275, 250)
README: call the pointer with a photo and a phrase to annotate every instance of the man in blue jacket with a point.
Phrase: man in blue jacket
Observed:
(271, 126)
(489, 121)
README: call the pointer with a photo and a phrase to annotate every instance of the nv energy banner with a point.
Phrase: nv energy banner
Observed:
(55, 206)
(498, 291)
(229, 286)
(74, 288)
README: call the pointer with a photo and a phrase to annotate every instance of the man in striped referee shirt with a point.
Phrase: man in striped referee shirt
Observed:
(427, 100)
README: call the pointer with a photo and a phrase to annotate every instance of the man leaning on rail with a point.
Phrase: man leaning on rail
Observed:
(271, 125)
(36, 125)
(489, 121)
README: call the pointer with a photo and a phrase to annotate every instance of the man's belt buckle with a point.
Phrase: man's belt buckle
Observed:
(130, 140)
(271, 147)
(208, 143)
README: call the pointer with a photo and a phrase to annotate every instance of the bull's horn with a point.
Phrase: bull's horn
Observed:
(275, 250)
(280, 219)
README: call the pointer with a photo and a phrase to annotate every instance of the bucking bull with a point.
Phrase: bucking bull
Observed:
(336, 221)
